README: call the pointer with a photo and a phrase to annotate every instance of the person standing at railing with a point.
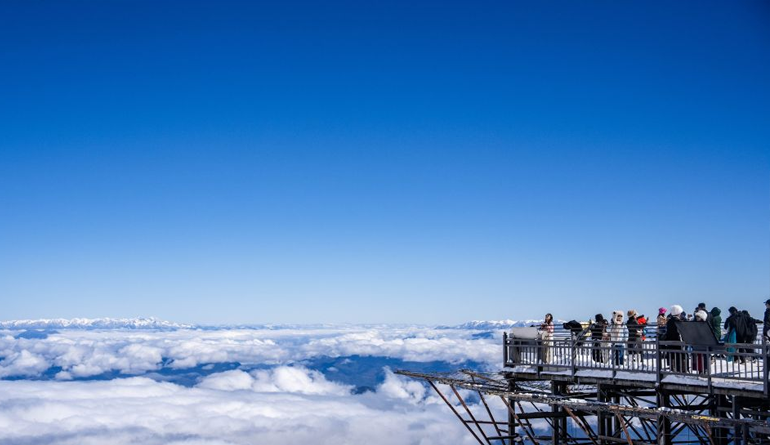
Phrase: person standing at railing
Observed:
(618, 337)
(661, 321)
(642, 319)
(634, 337)
(751, 327)
(676, 357)
(700, 357)
(766, 327)
(702, 307)
(546, 337)
(731, 336)
(598, 335)
(752, 331)
(716, 322)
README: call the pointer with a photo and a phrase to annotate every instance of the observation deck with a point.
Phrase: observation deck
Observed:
(579, 391)
(718, 368)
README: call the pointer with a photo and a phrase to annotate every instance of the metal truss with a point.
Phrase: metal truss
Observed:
(600, 414)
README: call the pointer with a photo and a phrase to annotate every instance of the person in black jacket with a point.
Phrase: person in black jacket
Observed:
(730, 324)
(598, 334)
(716, 322)
(700, 356)
(676, 359)
(634, 337)
(751, 331)
(751, 327)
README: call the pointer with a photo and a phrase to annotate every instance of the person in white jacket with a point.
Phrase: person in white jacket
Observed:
(546, 337)
(618, 337)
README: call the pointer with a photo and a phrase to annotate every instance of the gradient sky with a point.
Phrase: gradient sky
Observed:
(247, 162)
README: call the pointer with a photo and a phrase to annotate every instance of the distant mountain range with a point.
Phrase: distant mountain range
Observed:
(155, 323)
(94, 323)
(482, 325)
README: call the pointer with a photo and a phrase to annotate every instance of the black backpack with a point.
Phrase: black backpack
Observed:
(741, 323)
(751, 330)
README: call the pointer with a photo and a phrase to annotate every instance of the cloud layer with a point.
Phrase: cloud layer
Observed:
(248, 386)
(281, 406)
(78, 354)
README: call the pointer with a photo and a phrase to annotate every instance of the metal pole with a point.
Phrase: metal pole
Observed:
(512, 421)
(513, 413)
(585, 427)
(658, 361)
(766, 365)
(622, 424)
(435, 388)
(491, 417)
(738, 436)
(505, 349)
(563, 419)
(574, 357)
(470, 414)
(555, 409)
(664, 423)
(601, 416)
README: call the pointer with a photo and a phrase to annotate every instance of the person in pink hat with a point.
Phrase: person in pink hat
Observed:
(661, 320)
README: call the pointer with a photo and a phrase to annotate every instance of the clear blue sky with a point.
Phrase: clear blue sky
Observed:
(233, 162)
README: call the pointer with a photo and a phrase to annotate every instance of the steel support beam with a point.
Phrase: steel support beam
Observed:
(664, 423)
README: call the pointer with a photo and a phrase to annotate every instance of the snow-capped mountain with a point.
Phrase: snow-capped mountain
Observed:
(94, 323)
(497, 324)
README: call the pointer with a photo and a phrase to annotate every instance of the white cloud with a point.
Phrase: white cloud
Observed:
(85, 353)
(221, 410)
(281, 402)
(282, 379)
(23, 363)
(234, 380)
(401, 388)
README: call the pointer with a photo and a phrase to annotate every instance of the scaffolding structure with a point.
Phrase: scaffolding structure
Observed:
(584, 393)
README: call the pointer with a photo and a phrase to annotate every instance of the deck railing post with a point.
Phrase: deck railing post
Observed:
(574, 357)
(766, 365)
(707, 363)
(505, 349)
(613, 362)
(658, 362)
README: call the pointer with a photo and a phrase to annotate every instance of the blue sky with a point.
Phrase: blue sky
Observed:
(236, 162)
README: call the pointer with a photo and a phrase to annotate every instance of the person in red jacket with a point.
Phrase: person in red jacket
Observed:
(642, 320)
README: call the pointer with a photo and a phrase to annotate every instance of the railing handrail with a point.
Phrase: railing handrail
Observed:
(745, 362)
(650, 330)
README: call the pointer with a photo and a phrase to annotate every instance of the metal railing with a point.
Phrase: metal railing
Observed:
(731, 365)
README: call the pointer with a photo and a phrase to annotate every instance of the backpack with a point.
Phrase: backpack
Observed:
(741, 326)
(751, 330)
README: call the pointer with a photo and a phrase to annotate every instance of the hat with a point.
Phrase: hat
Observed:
(701, 305)
(616, 313)
(768, 301)
(661, 310)
(676, 310)
(701, 315)
(631, 312)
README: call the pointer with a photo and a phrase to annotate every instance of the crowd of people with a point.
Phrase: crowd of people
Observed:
(625, 333)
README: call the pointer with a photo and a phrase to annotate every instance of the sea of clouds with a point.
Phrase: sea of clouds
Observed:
(164, 384)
